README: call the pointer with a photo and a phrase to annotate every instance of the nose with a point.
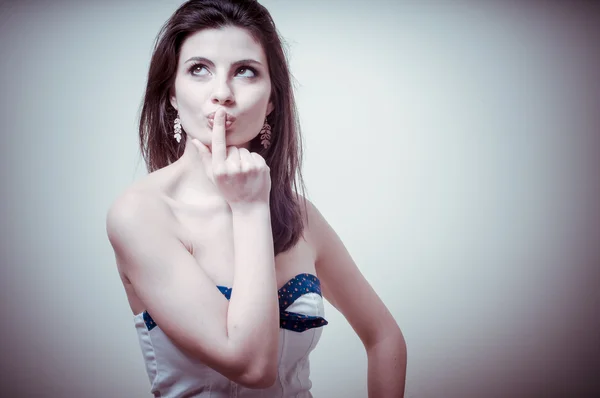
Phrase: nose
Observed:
(222, 94)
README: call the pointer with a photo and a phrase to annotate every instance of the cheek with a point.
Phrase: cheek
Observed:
(258, 101)
(187, 97)
(255, 114)
(190, 95)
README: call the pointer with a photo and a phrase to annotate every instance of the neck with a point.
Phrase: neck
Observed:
(193, 183)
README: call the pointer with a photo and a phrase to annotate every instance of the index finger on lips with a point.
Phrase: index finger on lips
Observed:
(219, 150)
(202, 149)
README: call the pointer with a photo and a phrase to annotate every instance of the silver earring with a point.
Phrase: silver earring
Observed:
(177, 127)
(265, 135)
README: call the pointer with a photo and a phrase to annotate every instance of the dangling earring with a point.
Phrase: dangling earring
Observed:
(177, 127)
(265, 135)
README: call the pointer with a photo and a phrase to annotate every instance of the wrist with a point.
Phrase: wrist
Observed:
(250, 208)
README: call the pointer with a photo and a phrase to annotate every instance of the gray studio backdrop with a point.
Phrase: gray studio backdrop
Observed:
(452, 145)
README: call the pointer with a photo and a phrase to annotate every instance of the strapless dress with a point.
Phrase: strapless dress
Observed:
(173, 373)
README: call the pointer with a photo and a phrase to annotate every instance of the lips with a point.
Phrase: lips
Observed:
(229, 119)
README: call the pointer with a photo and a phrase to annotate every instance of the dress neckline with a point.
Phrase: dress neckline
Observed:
(288, 283)
(291, 291)
(295, 287)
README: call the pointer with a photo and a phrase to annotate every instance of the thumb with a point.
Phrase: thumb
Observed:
(202, 149)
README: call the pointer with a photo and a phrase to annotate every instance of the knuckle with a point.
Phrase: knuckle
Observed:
(233, 171)
(218, 171)
(246, 168)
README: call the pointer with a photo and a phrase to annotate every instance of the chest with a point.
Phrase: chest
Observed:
(209, 237)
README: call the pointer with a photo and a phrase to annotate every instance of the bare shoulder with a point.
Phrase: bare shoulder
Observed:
(129, 210)
(134, 204)
(315, 222)
(148, 191)
(139, 208)
(343, 284)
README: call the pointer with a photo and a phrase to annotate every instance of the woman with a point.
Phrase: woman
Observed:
(218, 255)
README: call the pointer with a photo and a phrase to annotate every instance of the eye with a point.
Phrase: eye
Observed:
(246, 69)
(197, 68)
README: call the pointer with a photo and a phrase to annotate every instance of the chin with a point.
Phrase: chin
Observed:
(233, 137)
(238, 138)
(239, 143)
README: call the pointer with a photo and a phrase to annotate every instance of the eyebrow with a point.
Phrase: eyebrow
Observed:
(236, 63)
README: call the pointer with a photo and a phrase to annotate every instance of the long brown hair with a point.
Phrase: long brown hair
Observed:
(284, 156)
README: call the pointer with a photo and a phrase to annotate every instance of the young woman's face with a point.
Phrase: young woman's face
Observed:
(222, 68)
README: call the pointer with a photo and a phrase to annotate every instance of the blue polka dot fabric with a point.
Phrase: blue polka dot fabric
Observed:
(150, 324)
(294, 288)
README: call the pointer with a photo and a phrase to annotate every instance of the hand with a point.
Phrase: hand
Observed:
(242, 177)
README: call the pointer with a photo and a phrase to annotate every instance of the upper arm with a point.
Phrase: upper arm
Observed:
(345, 287)
(175, 290)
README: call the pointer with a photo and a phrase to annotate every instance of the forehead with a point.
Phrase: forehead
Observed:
(227, 44)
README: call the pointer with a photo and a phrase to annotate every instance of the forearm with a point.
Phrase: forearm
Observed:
(253, 314)
(387, 367)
